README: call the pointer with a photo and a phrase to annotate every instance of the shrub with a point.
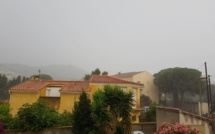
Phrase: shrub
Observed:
(5, 115)
(170, 128)
(151, 112)
(37, 116)
(65, 119)
(1, 128)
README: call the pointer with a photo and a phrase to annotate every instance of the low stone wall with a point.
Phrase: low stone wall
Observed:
(59, 130)
(146, 127)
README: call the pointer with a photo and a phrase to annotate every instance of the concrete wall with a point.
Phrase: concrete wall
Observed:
(147, 128)
(173, 115)
(60, 130)
(166, 116)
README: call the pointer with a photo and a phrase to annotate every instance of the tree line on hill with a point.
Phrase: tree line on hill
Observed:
(6, 84)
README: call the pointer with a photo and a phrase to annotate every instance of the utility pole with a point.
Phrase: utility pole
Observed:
(209, 109)
(210, 95)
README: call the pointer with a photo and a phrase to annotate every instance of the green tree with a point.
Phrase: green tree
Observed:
(151, 112)
(4, 94)
(213, 96)
(177, 81)
(87, 77)
(111, 109)
(104, 73)
(145, 100)
(95, 72)
(82, 120)
(43, 77)
(5, 115)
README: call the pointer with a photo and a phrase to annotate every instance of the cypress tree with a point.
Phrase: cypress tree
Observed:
(82, 121)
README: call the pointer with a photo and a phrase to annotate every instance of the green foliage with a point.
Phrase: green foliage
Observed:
(87, 77)
(1, 128)
(6, 84)
(95, 72)
(145, 100)
(151, 112)
(105, 73)
(81, 120)
(213, 96)
(43, 77)
(177, 81)
(65, 119)
(37, 116)
(111, 109)
(5, 115)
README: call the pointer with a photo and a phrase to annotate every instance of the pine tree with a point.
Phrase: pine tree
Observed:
(82, 121)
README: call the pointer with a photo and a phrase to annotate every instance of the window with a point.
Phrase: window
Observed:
(53, 91)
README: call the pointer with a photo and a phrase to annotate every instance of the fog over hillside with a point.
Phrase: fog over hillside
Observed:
(58, 72)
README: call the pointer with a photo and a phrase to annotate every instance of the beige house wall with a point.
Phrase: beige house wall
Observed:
(150, 89)
(203, 108)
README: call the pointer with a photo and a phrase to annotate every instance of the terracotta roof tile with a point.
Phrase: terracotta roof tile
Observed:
(109, 79)
(34, 85)
(76, 86)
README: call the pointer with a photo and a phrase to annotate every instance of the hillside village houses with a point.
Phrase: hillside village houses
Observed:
(143, 77)
(62, 94)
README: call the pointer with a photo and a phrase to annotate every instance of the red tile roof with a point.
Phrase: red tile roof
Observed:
(110, 80)
(76, 86)
(36, 85)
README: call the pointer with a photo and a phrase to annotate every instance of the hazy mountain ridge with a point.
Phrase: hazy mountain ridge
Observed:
(58, 72)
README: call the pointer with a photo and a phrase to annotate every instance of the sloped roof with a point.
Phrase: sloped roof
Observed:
(36, 85)
(125, 75)
(111, 80)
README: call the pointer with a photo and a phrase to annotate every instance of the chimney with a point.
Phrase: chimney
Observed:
(36, 77)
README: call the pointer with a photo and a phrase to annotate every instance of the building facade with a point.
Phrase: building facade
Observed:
(62, 95)
(143, 77)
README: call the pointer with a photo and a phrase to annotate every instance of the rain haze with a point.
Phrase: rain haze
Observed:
(114, 36)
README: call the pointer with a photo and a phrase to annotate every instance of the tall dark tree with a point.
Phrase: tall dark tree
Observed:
(3, 87)
(177, 81)
(82, 121)
(95, 72)
(104, 73)
(6, 84)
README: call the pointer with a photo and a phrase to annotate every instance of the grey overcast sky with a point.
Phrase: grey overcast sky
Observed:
(113, 35)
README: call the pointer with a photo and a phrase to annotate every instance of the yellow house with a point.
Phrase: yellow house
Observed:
(61, 95)
(144, 77)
